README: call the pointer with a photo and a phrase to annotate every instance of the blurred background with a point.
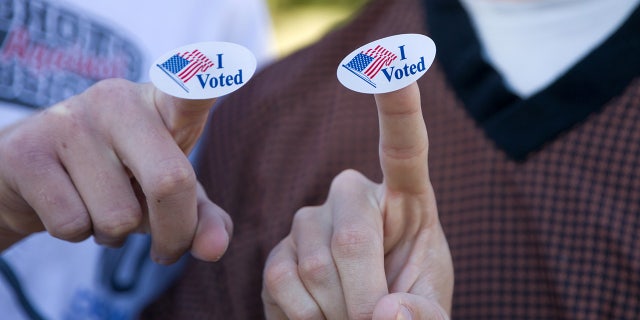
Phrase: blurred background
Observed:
(300, 22)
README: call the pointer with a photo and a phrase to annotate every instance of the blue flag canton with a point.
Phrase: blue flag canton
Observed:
(175, 63)
(360, 62)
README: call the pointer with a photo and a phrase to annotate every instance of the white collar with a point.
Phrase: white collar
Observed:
(533, 42)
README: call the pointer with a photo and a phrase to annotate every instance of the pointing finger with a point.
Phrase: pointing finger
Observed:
(184, 118)
(403, 140)
(197, 72)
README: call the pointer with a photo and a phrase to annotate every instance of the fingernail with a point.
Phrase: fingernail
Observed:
(404, 314)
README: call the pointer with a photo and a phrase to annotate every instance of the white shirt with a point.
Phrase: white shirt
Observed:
(153, 28)
(109, 37)
(533, 42)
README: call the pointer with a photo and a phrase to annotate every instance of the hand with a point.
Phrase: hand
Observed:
(109, 162)
(372, 250)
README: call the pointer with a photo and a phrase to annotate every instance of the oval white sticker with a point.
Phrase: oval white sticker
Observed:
(203, 70)
(387, 64)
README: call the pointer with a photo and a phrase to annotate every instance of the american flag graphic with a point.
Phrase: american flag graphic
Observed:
(182, 67)
(367, 64)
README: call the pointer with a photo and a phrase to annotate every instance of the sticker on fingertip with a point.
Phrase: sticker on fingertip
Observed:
(388, 64)
(203, 70)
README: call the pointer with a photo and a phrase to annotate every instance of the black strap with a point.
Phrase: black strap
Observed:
(14, 283)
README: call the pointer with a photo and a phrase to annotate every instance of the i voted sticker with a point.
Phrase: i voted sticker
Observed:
(203, 70)
(387, 64)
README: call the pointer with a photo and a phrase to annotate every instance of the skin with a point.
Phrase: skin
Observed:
(109, 162)
(371, 251)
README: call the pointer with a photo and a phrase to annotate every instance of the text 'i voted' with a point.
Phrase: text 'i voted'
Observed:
(203, 70)
(388, 64)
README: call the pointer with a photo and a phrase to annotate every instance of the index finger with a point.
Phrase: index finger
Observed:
(184, 118)
(403, 140)
(151, 142)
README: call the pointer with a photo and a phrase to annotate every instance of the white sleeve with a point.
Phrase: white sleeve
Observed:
(248, 22)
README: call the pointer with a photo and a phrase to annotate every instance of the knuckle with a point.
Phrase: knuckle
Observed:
(399, 153)
(107, 88)
(119, 94)
(115, 96)
(348, 177)
(173, 177)
(277, 273)
(354, 241)
(306, 313)
(317, 268)
(347, 180)
(121, 222)
(302, 217)
(23, 149)
(73, 228)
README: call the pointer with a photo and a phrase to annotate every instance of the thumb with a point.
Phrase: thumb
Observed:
(406, 306)
(184, 118)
